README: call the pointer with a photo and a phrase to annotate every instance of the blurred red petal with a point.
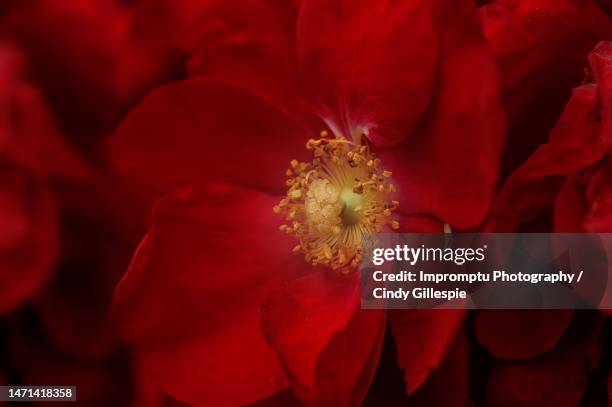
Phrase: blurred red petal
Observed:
(88, 58)
(449, 168)
(198, 130)
(556, 379)
(423, 339)
(29, 238)
(28, 134)
(521, 334)
(368, 66)
(328, 346)
(190, 301)
(37, 363)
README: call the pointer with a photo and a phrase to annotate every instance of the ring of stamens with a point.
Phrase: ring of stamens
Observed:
(335, 200)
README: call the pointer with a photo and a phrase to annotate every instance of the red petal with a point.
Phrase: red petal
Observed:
(191, 299)
(542, 37)
(29, 241)
(448, 169)
(541, 47)
(88, 58)
(201, 130)
(28, 134)
(556, 379)
(601, 62)
(423, 339)
(251, 43)
(328, 346)
(599, 217)
(448, 385)
(570, 207)
(521, 334)
(369, 66)
(574, 145)
(419, 223)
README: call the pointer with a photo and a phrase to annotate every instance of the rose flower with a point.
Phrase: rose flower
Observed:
(247, 282)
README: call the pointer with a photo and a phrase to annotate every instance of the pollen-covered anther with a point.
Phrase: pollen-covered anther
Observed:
(335, 200)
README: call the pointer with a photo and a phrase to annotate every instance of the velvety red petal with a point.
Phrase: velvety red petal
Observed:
(448, 384)
(327, 345)
(201, 130)
(368, 66)
(29, 238)
(448, 169)
(423, 339)
(574, 145)
(251, 43)
(521, 334)
(190, 301)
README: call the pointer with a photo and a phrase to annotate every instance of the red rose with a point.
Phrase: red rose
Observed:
(219, 308)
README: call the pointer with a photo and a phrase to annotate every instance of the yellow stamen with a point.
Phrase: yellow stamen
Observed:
(335, 200)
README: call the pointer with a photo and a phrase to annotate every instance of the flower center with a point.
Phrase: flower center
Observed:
(336, 199)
